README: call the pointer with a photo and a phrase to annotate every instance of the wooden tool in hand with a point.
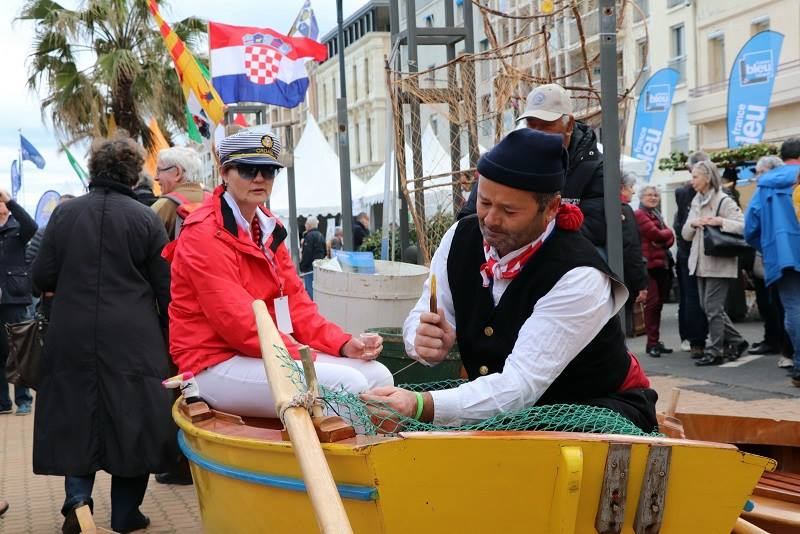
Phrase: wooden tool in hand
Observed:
(433, 302)
(434, 308)
(321, 488)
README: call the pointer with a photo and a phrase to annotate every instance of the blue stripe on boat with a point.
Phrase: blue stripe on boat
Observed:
(347, 491)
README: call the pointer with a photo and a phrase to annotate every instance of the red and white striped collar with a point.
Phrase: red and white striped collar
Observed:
(510, 265)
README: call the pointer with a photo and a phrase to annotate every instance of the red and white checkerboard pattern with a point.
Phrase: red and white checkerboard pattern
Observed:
(261, 64)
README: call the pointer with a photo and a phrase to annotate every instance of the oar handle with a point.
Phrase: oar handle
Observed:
(321, 488)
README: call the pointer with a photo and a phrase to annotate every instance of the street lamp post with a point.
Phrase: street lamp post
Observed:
(343, 133)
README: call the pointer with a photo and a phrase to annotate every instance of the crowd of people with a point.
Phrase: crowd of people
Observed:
(154, 285)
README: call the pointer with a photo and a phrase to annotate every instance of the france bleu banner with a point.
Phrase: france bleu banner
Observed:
(750, 88)
(652, 111)
(44, 208)
(16, 179)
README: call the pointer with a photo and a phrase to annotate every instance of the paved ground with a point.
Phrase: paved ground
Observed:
(755, 387)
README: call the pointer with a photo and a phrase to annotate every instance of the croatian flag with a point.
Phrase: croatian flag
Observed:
(260, 65)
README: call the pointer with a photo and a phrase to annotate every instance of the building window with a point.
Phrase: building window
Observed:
(641, 10)
(678, 46)
(369, 140)
(357, 142)
(642, 56)
(366, 77)
(355, 83)
(716, 58)
(759, 24)
(483, 46)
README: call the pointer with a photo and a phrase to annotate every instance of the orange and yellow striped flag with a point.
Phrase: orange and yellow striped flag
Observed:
(197, 90)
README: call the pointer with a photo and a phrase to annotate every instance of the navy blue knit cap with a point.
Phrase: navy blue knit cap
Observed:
(527, 159)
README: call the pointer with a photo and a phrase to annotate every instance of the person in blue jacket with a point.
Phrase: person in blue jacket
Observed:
(772, 227)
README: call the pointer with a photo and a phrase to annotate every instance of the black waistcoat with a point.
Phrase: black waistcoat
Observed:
(486, 334)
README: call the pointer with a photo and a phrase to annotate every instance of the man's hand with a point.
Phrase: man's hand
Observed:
(382, 403)
(435, 337)
(641, 298)
(5, 196)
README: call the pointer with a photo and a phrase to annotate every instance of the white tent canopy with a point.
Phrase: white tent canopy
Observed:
(629, 164)
(435, 160)
(317, 183)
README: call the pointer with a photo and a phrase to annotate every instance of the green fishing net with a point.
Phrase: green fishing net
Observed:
(553, 417)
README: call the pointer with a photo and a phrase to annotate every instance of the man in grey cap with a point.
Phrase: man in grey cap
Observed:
(548, 109)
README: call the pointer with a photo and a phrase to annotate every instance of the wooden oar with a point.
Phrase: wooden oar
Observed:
(321, 488)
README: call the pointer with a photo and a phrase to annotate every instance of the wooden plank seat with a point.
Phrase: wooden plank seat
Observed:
(777, 503)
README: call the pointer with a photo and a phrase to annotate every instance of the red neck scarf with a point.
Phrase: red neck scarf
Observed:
(569, 217)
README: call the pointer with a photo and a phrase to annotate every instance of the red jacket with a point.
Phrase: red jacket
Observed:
(656, 238)
(217, 272)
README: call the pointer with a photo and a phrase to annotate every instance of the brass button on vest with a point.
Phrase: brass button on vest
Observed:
(483, 370)
(488, 331)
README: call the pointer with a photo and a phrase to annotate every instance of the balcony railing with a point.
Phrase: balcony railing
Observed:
(710, 88)
(679, 143)
(679, 64)
(591, 28)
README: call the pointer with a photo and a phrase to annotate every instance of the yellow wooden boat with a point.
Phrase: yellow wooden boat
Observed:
(248, 480)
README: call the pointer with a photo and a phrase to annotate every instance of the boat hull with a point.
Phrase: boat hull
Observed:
(247, 480)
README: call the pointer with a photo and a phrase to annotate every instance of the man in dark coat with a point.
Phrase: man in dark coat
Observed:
(313, 249)
(100, 402)
(16, 229)
(144, 190)
(360, 229)
(549, 109)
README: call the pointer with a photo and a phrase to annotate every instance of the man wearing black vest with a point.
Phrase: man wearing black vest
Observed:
(530, 301)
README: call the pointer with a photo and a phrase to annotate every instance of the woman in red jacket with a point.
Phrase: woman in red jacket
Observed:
(230, 252)
(656, 239)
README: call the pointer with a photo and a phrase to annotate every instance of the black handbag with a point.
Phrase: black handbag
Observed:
(25, 342)
(723, 244)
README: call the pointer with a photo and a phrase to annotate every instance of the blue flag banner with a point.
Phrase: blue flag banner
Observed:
(750, 88)
(44, 209)
(652, 111)
(306, 23)
(16, 179)
(30, 153)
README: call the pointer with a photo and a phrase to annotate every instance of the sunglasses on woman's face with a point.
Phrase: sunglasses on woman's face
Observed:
(248, 172)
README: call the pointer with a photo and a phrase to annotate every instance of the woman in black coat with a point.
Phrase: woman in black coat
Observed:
(100, 403)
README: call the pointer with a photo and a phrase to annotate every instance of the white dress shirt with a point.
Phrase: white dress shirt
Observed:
(267, 223)
(563, 322)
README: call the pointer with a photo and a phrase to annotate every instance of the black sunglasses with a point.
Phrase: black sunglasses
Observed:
(248, 172)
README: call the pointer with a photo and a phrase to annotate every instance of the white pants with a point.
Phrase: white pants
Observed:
(239, 385)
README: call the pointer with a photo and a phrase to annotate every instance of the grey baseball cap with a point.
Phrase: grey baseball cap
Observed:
(548, 103)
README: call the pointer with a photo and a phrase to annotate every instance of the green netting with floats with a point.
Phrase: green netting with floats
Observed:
(553, 417)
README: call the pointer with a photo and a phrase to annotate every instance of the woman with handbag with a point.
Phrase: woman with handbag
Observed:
(656, 239)
(100, 402)
(712, 212)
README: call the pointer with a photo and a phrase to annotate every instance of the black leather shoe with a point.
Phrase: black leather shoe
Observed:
(763, 348)
(734, 352)
(175, 478)
(140, 522)
(71, 524)
(708, 359)
(697, 352)
(653, 352)
(662, 349)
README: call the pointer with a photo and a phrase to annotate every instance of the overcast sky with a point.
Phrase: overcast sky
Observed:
(20, 109)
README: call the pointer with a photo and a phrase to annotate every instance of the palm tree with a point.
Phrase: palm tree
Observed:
(105, 63)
